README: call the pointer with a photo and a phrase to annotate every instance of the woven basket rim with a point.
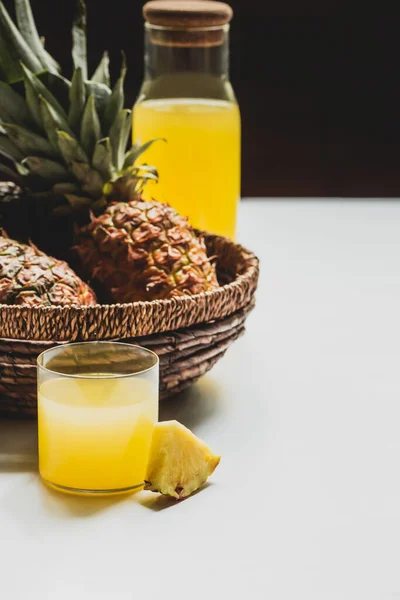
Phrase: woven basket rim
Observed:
(250, 270)
(143, 303)
(197, 308)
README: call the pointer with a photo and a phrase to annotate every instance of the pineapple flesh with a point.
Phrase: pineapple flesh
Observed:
(29, 277)
(180, 463)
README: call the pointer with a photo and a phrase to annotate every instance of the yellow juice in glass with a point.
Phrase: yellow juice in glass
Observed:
(95, 431)
(199, 166)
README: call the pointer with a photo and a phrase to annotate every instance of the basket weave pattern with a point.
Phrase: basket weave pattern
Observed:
(189, 333)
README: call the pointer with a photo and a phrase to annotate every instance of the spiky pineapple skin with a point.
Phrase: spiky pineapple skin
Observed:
(29, 277)
(9, 191)
(142, 250)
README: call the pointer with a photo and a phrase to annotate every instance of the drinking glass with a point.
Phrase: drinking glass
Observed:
(97, 405)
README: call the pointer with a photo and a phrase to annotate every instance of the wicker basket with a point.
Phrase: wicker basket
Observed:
(189, 333)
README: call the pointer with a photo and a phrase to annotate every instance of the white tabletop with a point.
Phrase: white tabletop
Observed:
(305, 410)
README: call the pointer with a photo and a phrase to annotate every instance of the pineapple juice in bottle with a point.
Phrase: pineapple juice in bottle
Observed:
(187, 99)
(198, 167)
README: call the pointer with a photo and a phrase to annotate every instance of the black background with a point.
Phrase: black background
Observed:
(318, 89)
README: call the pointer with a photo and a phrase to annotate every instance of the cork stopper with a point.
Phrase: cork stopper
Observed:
(187, 13)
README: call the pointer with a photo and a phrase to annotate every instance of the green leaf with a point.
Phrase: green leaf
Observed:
(70, 148)
(148, 169)
(59, 119)
(9, 149)
(32, 99)
(102, 159)
(137, 150)
(49, 121)
(13, 107)
(10, 175)
(48, 169)
(119, 134)
(9, 62)
(90, 179)
(27, 28)
(77, 98)
(22, 170)
(143, 174)
(102, 73)
(65, 188)
(101, 95)
(18, 48)
(116, 101)
(58, 85)
(49, 56)
(78, 203)
(34, 88)
(28, 141)
(90, 127)
(52, 122)
(79, 49)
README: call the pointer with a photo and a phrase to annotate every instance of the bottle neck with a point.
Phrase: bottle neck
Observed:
(177, 52)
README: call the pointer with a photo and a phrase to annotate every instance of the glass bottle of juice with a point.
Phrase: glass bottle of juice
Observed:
(187, 99)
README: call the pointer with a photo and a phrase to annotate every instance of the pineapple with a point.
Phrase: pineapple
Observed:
(179, 461)
(144, 250)
(66, 142)
(31, 278)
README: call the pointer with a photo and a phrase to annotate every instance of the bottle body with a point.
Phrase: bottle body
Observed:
(186, 99)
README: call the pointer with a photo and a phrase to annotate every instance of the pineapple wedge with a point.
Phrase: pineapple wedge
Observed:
(179, 461)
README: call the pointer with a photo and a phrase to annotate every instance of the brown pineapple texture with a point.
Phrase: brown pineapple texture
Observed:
(31, 278)
(140, 250)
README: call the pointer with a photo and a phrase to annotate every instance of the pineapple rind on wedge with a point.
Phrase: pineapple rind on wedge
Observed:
(180, 463)
(67, 139)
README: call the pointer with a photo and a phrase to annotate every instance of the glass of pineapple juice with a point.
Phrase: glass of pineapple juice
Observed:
(97, 405)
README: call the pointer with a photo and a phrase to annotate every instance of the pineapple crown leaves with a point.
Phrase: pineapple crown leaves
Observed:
(68, 137)
(79, 44)
(21, 43)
